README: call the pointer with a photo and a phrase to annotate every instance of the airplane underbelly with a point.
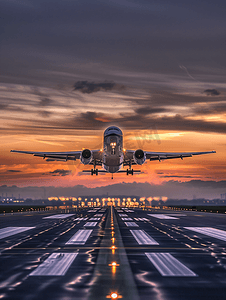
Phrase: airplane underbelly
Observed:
(112, 164)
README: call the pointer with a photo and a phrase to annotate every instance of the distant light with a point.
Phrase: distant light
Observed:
(114, 295)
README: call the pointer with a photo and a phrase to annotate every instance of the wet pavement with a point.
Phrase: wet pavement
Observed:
(113, 252)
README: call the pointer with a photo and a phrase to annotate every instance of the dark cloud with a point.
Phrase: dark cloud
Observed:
(14, 171)
(210, 109)
(124, 35)
(147, 110)
(60, 172)
(99, 121)
(212, 92)
(160, 99)
(45, 114)
(3, 106)
(45, 102)
(91, 87)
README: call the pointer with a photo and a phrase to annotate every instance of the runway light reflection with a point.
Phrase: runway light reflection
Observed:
(114, 295)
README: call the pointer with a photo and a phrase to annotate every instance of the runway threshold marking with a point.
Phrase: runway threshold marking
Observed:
(127, 219)
(123, 215)
(94, 219)
(161, 216)
(56, 264)
(141, 219)
(131, 224)
(60, 216)
(167, 265)
(8, 231)
(80, 237)
(90, 224)
(143, 238)
(213, 232)
(98, 215)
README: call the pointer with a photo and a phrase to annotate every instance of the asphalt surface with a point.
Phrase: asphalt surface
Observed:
(138, 254)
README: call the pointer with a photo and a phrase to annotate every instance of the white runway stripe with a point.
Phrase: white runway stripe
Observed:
(213, 232)
(131, 224)
(61, 216)
(178, 215)
(94, 219)
(8, 231)
(98, 215)
(167, 265)
(127, 219)
(80, 237)
(123, 215)
(90, 224)
(160, 216)
(143, 238)
(141, 219)
(80, 219)
(56, 264)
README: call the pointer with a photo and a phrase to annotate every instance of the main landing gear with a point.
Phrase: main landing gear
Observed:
(94, 172)
(129, 171)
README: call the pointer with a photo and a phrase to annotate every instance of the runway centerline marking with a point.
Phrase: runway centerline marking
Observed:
(213, 232)
(56, 264)
(8, 231)
(143, 238)
(167, 265)
(80, 237)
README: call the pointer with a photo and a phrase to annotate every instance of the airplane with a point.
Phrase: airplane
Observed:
(113, 157)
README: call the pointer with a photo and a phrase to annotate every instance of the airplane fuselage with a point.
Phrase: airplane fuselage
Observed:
(113, 156)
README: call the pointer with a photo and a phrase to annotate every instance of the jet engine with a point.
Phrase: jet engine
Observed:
(86, 156)
(139, 157)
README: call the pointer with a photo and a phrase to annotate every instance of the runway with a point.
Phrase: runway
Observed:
(135, 253)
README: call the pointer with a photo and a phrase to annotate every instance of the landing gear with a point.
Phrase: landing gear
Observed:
(129, 171)
(94, 172)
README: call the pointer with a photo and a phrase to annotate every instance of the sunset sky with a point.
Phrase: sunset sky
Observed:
(166, 68)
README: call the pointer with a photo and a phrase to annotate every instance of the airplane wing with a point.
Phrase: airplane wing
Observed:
(171, 155)
(164, 155)
(61, 156)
